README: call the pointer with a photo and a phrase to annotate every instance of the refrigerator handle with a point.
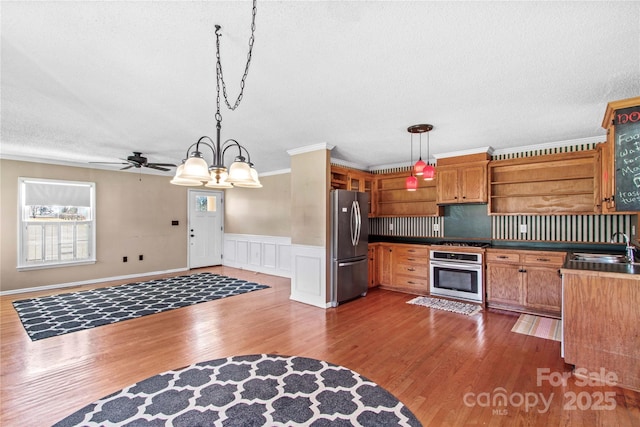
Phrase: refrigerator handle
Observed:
(346, 264)
(353, 223)
(358, 222)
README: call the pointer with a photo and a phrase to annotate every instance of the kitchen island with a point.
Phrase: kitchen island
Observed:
(601, 321)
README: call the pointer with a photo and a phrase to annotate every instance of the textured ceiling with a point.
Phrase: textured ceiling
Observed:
(93, 81)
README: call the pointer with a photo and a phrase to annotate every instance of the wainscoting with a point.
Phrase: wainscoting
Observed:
(309, 279)
(264, 254)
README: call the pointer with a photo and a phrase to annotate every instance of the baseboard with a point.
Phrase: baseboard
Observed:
(89, 282)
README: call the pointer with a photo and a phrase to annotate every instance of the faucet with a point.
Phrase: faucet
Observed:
(630, 248)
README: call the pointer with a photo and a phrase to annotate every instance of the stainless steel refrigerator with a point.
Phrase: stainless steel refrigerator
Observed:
(349, 245)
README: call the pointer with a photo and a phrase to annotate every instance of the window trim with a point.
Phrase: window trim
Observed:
(22, 265)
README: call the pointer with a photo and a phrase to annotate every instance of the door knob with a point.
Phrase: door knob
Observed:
(192, 235)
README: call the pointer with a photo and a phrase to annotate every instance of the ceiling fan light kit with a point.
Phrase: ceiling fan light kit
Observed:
(240, 173)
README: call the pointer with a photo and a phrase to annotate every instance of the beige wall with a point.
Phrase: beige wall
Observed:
(265, 211)
(134, 214)
(310, 198)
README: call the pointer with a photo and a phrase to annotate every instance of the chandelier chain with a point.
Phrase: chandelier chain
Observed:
(220, 76)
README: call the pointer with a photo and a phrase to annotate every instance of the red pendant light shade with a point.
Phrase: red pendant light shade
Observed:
(428, 173)
(421, 168)
(411, 183)
(418, 168)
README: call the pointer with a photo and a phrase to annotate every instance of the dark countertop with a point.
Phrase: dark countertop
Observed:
(536, 246)
(506, 244)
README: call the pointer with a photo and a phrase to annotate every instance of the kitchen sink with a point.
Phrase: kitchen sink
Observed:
(603, 258)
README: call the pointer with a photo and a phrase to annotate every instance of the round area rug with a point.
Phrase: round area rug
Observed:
(254, 390)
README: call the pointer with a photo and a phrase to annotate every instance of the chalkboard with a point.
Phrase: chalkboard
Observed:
(627, 158)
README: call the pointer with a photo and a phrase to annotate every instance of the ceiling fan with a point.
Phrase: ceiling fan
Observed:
(138, 161)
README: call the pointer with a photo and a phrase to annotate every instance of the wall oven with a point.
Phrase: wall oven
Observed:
(456, 275)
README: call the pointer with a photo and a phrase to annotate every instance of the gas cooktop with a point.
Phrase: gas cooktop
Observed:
(463, 244)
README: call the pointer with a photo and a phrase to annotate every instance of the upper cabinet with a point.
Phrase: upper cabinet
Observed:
(462, 179)
(355, 180)
(553, 184)
(393, 199)
(620, 157)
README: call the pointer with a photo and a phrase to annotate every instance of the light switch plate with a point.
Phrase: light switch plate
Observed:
(523, 228)
(390, 227)
(436, 227)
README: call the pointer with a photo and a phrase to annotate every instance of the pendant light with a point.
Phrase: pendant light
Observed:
(421, 168)
(429, 172)
(194, 170)
(411, 183)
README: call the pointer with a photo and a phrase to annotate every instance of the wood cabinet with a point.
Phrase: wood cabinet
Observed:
(372, 279)
(462, 179)
(607, 152)
(564, 183)
(404, 268)
(355, 180)
(600, 324)
(524, 281)
(393, 199)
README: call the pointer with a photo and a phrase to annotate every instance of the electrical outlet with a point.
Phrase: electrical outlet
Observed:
(390, 227)
(124, 259)
(140, 257)
(523, 228)
(436, 227)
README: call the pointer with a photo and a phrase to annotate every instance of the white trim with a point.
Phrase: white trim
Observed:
(262, 254)
(348, 164)
(548, 145)
(478, 150)
(89, 282)
(310, 148)
(309, 278)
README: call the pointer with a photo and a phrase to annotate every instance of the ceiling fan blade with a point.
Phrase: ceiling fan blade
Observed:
(163, 164)
(155, 166)
(110, 163)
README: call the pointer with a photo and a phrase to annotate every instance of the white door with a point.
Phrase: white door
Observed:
(206, 219)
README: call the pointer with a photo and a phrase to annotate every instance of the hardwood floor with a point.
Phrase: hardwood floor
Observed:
(449, 369)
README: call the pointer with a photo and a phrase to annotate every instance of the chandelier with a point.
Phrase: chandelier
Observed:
(421, 168)
(194, 169)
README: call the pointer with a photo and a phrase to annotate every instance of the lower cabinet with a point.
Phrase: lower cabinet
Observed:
(372, 266)
(525, 281)
(403, 267)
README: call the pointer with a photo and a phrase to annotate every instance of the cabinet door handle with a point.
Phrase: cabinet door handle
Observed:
(522, 270)
(503, 257)
(543, 259)
(411, 259)
(411, 250)
(411, 269)
(411, 282)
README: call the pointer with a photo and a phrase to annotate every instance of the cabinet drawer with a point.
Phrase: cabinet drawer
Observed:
(413, 283)
(412, 253)
(508, 257)
(419, 271)
(549, 259)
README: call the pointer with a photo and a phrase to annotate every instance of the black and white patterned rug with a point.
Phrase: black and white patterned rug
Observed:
(254, 390)
(60, 314)
(447, 305)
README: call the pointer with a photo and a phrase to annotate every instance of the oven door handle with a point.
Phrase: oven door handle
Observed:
(459, 265)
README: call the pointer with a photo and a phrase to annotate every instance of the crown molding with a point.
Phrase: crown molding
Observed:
(478, 150)
(551, 145)
(310, 148)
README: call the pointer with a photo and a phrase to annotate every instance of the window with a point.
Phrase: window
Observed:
(57, 223)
